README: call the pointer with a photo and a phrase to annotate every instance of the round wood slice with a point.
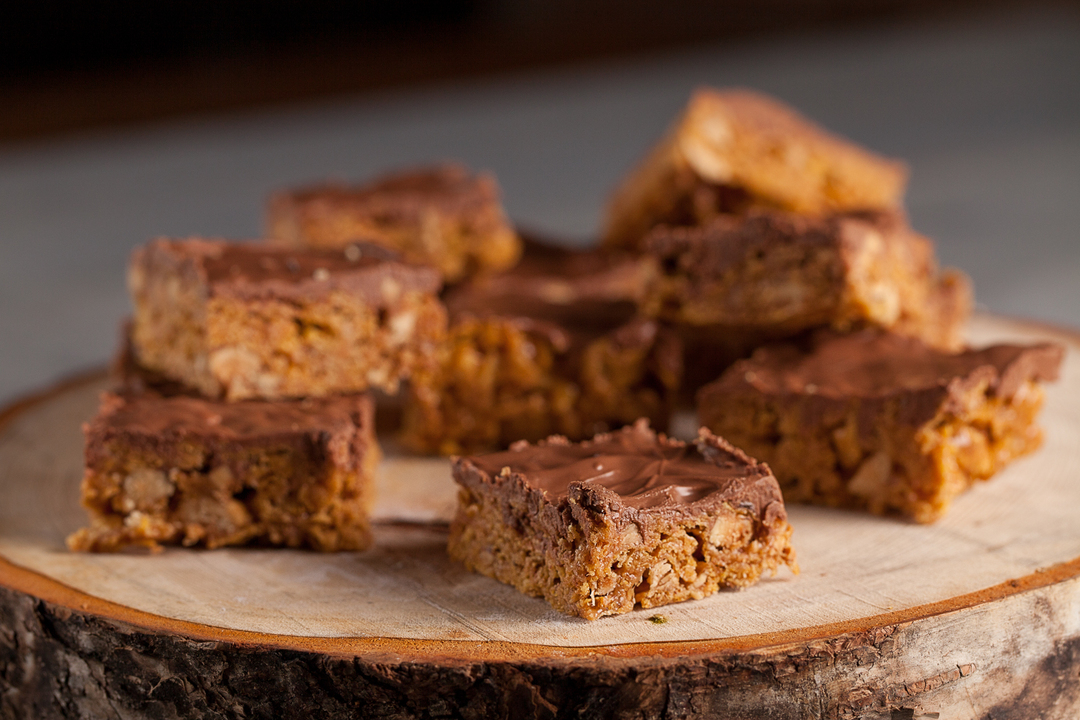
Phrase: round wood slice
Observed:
(977, 616)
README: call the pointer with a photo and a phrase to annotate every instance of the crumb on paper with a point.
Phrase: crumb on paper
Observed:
(658, 619)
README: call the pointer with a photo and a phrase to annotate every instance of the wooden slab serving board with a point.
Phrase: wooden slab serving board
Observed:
(975, 616)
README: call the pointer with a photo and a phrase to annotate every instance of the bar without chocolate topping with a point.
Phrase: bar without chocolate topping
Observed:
(440, 216)
(882, 422)
(244, 320)
(733, 150)
(196, 472)
(629, 518)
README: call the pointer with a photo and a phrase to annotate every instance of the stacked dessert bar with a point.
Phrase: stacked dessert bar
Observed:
(752, 264)
(778, 241)
(549, 357)
(244, 413)
(556, 345)
(817, 332)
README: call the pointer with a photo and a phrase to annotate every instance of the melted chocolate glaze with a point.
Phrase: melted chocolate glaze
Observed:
(644, 470)
(257, 271)
(874, 365)
(159, 415)
(556, 289)
(158, 424)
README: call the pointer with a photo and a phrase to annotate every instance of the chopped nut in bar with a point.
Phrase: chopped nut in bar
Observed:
(554, 346)
(626, 519)
(247, 320)
(879, 421)
(776, 274)
(196, 472)
(739, 282)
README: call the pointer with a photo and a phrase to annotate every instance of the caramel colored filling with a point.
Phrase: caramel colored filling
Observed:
(881, 465)
(595, 567)
(276, 349)
(271, 495)
(989, 435)
(497, 382)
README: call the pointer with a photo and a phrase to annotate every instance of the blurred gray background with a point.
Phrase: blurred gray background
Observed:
(984, 106)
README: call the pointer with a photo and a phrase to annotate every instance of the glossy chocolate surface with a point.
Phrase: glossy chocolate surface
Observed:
(871, 364)
(645, 470)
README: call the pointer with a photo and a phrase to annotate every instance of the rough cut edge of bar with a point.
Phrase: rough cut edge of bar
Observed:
(500, 380)
(587, 557)
(867, 454)
(177, 488)
(239, 347)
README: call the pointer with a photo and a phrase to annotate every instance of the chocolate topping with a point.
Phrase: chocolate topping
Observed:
(154, 415)
(563, 275)
(579, 290)
(568, 297)
(166, 426)
(409, 195)
(876, 365)
(252, 270)
(725, 242)
(645, 470)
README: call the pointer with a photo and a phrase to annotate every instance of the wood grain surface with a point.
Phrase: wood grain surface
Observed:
(975, 616)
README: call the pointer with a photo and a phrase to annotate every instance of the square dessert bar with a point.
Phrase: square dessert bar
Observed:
(882, 422)
(739, 282)
(502, 379)
(196, 472)
(774, 274)
(626, 519)
(440, 216)
(244, 320)
(734, 149)
(553, 346)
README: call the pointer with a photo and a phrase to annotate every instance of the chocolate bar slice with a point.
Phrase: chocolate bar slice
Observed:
(627, 519)
(739, 282)
(733, 150)
(775, 274)
(441, 216)
(195, 472)
(882, 422)
(554, 346)
(244, 320)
